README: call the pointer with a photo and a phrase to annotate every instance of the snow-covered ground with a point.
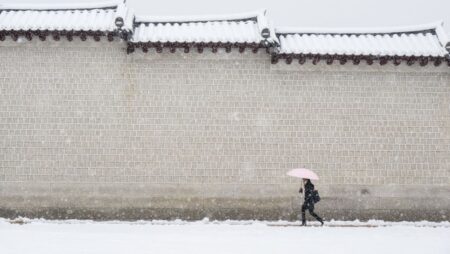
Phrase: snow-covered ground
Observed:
(40, 236)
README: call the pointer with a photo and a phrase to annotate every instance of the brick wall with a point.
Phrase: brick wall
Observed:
(87, 131)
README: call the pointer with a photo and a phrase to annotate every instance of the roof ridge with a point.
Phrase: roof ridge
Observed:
(360, 30)
(61, 6)
(442, 35)
(198, 18)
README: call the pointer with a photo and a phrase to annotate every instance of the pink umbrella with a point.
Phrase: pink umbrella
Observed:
(303, 173)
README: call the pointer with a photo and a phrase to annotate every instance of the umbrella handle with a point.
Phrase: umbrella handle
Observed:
(301, 189)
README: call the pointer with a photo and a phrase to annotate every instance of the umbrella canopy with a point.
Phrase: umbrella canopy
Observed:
(303, 173)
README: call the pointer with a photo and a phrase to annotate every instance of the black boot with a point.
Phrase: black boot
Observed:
(303, 216)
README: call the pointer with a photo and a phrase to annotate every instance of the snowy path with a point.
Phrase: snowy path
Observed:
(67, 237)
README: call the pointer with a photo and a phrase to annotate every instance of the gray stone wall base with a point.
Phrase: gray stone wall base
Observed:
(131, 214)
(221, 202)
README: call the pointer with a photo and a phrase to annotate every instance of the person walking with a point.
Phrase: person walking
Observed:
(311, 197)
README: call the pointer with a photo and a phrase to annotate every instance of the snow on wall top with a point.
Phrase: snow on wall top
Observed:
(59, 6)
(423, 40)
(252, 29)
(96, 16)
(237, 28)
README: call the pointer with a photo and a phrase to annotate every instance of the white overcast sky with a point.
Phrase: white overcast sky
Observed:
(303, 13)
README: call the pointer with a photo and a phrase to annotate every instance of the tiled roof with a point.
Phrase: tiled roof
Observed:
(68, 17)
(242, 28)
(423, 44)
(427, 40)
(215, 31)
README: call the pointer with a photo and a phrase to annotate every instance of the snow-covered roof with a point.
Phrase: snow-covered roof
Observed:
(89, 16)
(237, 28)
(59, 6)
(253, 30)
(424, 40)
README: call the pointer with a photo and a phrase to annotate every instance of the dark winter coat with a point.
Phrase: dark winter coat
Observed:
(309, 188)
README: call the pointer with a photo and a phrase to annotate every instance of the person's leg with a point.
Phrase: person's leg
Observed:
(313, 214)
(303, 214)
